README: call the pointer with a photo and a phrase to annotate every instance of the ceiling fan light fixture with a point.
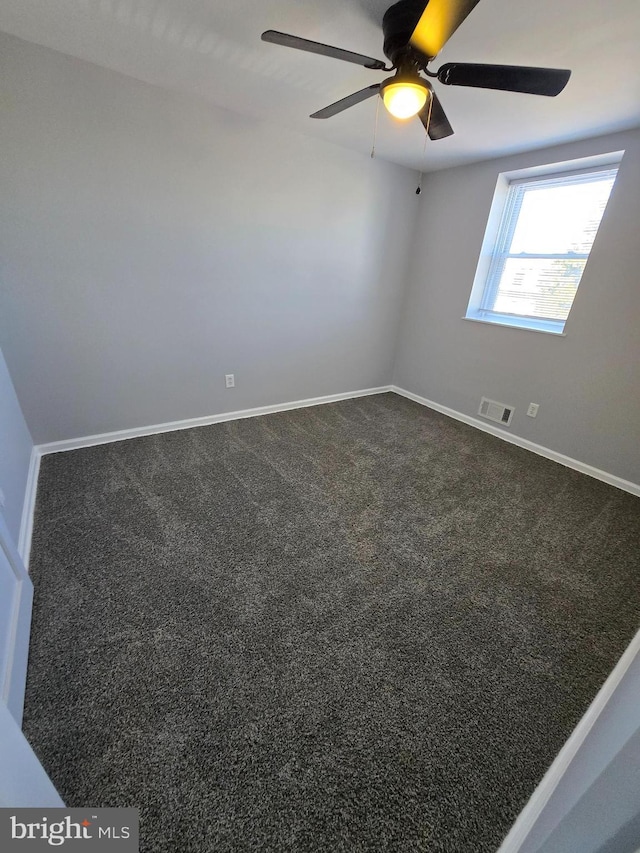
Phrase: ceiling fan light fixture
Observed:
(404, 98)
(410, 45)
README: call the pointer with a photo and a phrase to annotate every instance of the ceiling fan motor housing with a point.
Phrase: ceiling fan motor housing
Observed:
(398, 24)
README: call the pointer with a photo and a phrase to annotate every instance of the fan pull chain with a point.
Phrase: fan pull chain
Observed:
(424, 157)
(424, 147)
(375, 129)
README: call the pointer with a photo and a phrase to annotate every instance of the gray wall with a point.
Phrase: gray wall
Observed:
(151, 244)
(587, 382)
(15, 453)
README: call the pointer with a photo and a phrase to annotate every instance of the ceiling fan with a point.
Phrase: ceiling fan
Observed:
(415, 32)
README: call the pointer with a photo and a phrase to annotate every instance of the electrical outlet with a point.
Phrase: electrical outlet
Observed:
(229, 380)
(532, 411)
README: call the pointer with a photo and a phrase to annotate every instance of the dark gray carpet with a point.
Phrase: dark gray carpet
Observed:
(356, 627)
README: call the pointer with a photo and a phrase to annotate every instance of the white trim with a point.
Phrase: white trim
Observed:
(23, 780)
(540, 797)
(504, 215)
(26, 526)
(13, 680)
(190, 423)
(28, 508)
(578, 164)
(567, 461)
(496, 321)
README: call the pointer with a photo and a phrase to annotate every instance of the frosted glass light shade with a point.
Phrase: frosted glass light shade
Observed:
(404, 100)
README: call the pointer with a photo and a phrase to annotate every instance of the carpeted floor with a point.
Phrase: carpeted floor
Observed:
(356, 627)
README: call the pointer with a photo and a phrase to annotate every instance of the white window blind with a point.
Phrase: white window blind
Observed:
(545, 235)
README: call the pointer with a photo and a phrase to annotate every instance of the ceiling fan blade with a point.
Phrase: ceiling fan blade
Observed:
(438, 22)
(437, 124)
(508, 78)
(287, 40)
(349, 101)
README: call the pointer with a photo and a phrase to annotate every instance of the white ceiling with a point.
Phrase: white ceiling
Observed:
(212, 49)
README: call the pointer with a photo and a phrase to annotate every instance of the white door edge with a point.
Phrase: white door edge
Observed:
(23, 780)
(14, 674)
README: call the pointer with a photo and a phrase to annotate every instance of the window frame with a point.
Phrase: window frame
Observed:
(501, 224)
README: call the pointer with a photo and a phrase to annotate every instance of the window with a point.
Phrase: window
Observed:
(541, 229)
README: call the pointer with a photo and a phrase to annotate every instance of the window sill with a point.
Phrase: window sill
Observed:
(513, 324)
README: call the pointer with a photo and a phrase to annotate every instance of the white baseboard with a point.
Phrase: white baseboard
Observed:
(28, 508)
(26, 528)
(550, 781)
(567, 461)
(207, 420)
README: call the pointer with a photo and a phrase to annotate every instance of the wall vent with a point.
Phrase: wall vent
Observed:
(498, 412)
